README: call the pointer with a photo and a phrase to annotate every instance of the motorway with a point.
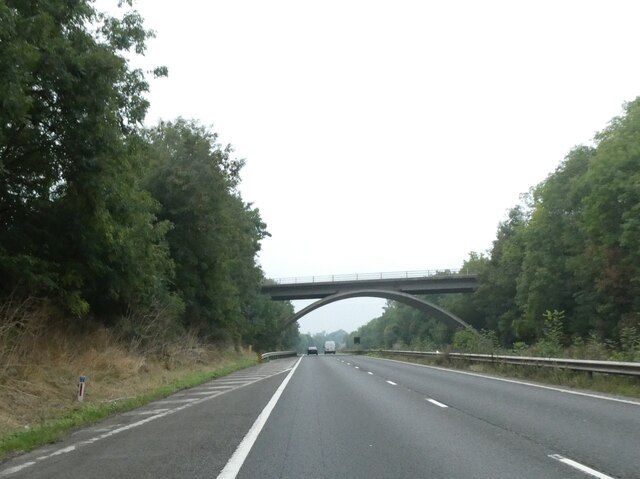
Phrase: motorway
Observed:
(354, 417)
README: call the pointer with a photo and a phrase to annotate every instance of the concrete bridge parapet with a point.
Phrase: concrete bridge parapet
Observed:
(459, 283)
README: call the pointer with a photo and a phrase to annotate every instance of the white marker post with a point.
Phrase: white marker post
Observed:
(81, 387)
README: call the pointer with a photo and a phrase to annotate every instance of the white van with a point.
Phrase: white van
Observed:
(329, 347)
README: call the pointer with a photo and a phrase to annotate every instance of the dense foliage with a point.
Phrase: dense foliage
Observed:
(110, 221)
(70, 155)
(214, 235)
(571, 252)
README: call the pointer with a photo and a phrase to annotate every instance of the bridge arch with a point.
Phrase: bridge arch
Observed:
(427, 307)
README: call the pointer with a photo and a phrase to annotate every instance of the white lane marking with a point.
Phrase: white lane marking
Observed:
(12, 470)
(357, 367)
(205, 393)
(369, 372)
(118, 430)
(234, 379)
(231, 382)
(513, 381)
(63, 450)
(580, 467)
(18, 468)
(235, 462)
(392, 383)
(103, 429)
(176, 401)
(146, 413)
(437, 403)
(348, 364)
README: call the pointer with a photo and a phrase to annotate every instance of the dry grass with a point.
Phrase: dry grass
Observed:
(40, 366)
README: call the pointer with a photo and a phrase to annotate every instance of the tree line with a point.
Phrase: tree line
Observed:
(111, 221)
(566, 258)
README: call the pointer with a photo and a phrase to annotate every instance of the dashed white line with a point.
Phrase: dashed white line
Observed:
(437, 403)
(392, 383)
(369, 372)
(580, 467)
(357, 367)
(523, 383)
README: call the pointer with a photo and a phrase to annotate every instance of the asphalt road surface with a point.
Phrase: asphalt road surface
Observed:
(354, 417)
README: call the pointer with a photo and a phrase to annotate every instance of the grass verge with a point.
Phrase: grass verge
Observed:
(54, 429)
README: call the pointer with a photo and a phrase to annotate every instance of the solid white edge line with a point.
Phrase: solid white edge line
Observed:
(392, 383)
(580, 467)
(437, 403)
(513, 381)
(235, 462)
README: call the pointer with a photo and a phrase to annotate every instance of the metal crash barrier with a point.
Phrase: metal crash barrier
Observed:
(592, 366)
(278, 355)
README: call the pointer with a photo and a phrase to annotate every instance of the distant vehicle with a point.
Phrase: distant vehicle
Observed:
(329, 347)
(312, 350)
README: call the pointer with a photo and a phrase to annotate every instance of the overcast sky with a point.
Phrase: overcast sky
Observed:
(388, 136)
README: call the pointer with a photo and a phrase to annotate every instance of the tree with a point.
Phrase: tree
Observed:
(611, 258)
(73, 220)
(215, 235)
(467, 306)
(404, 326)
(553, 240)
(576, 247)
(265, 322)
(496, 293)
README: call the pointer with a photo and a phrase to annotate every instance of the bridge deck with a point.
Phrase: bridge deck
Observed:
(436, 284)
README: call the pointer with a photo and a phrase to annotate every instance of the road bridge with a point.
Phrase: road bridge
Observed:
(398, 286)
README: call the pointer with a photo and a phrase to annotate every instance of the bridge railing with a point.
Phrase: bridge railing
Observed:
(371, 276)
